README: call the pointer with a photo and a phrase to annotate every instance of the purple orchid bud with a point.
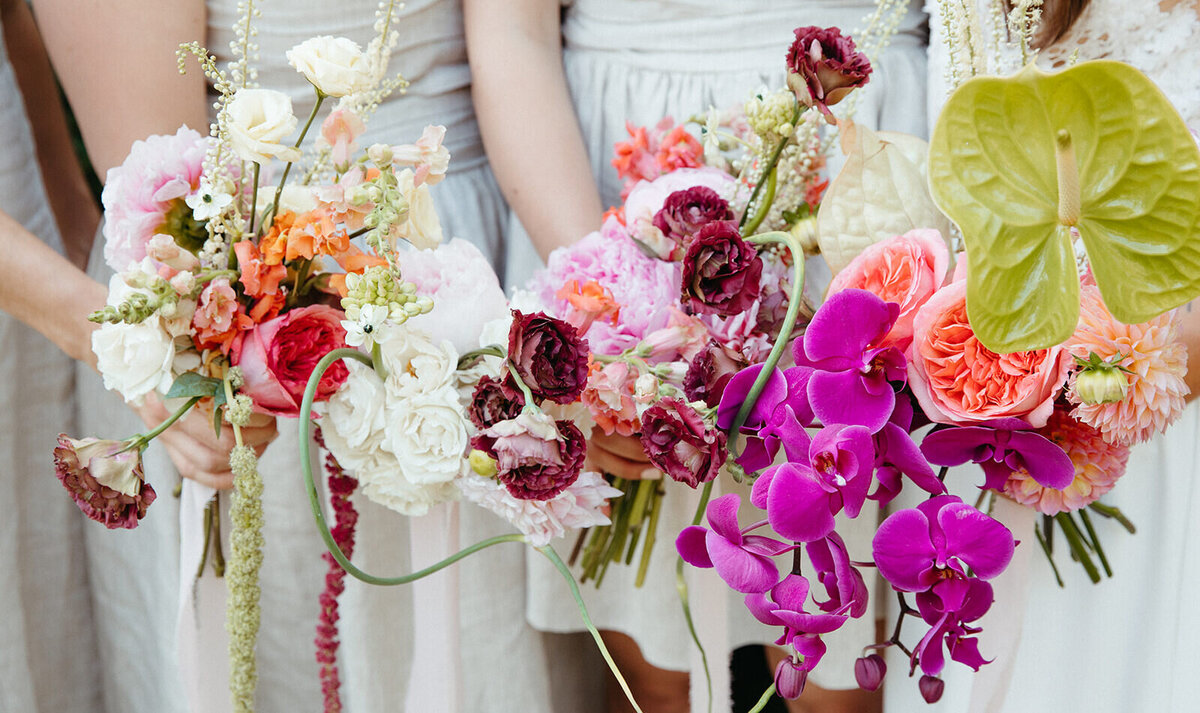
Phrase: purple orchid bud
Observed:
(869, 672)
(742, 560)
(790, 677)
(931, 688)
(852, 382)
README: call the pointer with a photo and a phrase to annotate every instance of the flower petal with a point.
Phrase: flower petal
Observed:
(738, 388)
(846, 397)
(722, 517)
(742, 571)
(691, 547)
(977, 539)
(843, 328)
(797, 506)
(903, 551)
(956, 445)
(1045, 460)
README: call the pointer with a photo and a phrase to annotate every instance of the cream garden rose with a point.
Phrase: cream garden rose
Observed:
(422, 228)
(336, 66)
(134, 359)
(259, 121)
(426, 431)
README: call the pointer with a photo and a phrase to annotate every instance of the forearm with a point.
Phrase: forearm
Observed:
(527, 119)
(44, 290)
(71, 201)
(117, 64)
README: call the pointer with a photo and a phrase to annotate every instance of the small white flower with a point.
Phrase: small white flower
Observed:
(336, 66)
(645, 389)
(371, 327)
(208, 202)
(259, 120)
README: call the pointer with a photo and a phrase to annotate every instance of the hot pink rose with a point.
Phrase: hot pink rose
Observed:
(958, 380)
(278, 356)
(904, 269)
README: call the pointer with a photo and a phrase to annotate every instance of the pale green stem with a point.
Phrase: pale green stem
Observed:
(682, 588)
(769, 168)
(254, 199)
(142, 440)
(762, 702)
(377, 361)
(764, 206)
(269, 214)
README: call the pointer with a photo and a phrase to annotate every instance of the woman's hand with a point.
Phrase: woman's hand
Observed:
(194, 447)
(622, 456)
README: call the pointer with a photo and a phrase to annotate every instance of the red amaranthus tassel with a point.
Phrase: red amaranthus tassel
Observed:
(345, 518)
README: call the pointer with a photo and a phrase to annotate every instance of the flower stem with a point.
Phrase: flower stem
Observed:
(269, 214)
(1078, 546)
(491, 350)
(254, 199)
(1049, 555)
(682, 588)
(651, 536)
(762, 702)
(1091, 531)
(143, 440)
(377, 361)
(551, 555)
(1113, 514)
(770, 167)
(530, 406)
(764, 206)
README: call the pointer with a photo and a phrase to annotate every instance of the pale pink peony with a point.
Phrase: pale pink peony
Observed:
(583, 504)
(464, 288)
(147, 192)
(615, 262)
(1098, 465)
(958, 380)
(1155, 355)
(904, 269)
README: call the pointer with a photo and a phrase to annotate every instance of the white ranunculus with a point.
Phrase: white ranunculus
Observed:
(386, 485)
(134, 359)
(335, 65)
(353, 420)
(422, 228)
(259, 121)
(427, 432)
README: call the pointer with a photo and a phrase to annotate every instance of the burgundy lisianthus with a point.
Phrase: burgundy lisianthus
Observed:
(105, 480)
(493, 401)
(709, 372)
(721, 271)
(278, 356)
(536, 456)
(824, 67)
(939, 539)
(549, 355)
(741, 559)
(680, 443)
(685, 212)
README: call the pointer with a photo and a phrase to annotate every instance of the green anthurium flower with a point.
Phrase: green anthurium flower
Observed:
(1022, 163)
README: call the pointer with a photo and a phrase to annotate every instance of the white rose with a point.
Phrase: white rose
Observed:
(353, 421)
(335, 65)
(422, 227)
(298, 199)
(386, 485)
(409, 354)
(427, 432)
(259, 119)
(134, 359)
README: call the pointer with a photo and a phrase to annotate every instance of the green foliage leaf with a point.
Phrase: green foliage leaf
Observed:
(880, 192)
(190, 384)
(994, 169)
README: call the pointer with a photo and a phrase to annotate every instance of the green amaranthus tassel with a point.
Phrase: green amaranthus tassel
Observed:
(241, 574)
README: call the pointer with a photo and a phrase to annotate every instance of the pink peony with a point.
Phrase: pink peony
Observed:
(464, 288)
(616, 263)
(105, 478)
(278, 356)
(904, 269)
(1098, 465)
(1155, 355)
(145, 196)
(958, 380)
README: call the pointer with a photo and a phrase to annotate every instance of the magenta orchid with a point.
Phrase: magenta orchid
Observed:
(940, 539)
(1002, 447)
(777, 419)
(948, 607)
(896, 455)
(851, 384)
(844, 585)
(742, 560)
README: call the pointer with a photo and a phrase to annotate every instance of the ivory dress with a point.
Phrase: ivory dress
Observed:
(641, 61)
(1128, 643)
(500, 653)
(46, 628)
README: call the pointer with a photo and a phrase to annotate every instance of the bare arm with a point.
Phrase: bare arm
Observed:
(71, 201)
(527, 120)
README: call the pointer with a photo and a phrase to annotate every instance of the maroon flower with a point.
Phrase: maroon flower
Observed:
(685, 212)
(709, 372)
(536, 456)
(549, 355)
(721, 271)
(824, 67)
(680, 443)
(105, 480)
(494, 401)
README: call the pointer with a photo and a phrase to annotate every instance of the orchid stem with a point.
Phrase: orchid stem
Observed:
(1049, 555)
(682, 588)
(762, 702)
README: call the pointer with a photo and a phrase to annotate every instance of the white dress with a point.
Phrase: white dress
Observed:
(500, 654)
(641, 61)
(1128, 643)
(46, 628)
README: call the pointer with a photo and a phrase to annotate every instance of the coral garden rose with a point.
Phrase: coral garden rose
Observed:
(105, 479)
(277, 357)
(721, 271)
(549, 356)
(824, 66)
(903, 269)
(958, 380)
(681, 443)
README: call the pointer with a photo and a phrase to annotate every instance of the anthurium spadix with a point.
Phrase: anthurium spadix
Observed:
(1018, 162)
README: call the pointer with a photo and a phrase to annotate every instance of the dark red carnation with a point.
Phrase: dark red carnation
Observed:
(105, 480)
(549, 356)
(536, 456)
(721, 271)
(493, 401)
(685, 212)
(824, 66)
(679, 442)
(709, 372)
